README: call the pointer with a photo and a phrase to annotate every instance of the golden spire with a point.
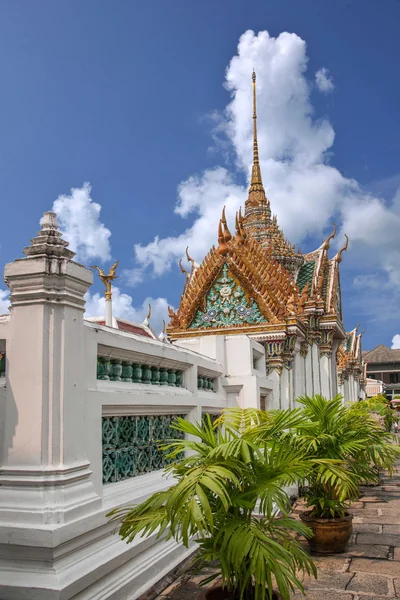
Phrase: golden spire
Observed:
(256, 181)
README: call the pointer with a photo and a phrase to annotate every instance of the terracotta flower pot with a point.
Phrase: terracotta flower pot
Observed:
(330, 535)
(219, 593)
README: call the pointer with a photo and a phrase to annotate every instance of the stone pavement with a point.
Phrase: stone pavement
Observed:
(369, 570)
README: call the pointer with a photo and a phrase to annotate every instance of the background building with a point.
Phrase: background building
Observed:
(383, 365)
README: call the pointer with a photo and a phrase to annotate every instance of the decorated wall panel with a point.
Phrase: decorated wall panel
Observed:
(131, 445)
(227, 304)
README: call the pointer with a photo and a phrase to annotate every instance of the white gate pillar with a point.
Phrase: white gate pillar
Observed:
(44, 475)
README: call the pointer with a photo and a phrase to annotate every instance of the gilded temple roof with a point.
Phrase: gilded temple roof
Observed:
(254, 280)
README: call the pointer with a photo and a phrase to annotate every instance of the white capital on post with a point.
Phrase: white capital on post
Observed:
(44, 473)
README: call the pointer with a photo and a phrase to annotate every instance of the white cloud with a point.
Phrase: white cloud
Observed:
(79, 220)
(4, 301)
(324, 81)
(396, 342)
(305, 190)
(203, 195)
(123, 307)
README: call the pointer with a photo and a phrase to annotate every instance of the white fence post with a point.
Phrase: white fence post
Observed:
(45, 475)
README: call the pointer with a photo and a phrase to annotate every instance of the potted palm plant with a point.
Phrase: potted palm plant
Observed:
(224, 479)
(344, 445)
(383, 450)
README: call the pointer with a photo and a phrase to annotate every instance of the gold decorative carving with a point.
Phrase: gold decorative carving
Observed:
(339, 254)
(107, 279)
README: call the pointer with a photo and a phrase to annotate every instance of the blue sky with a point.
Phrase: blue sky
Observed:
(129, 96)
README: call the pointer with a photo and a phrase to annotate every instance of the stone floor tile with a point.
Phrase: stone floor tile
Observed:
(318, 595)
(368, 551)
(197, 579)
(396, 582)
(391, 529)
(389, 512)
(375, 565)
(370, 584)
(385, 539)
(364, 512)
(168, 590)
(186, 591)
(365, 597)
(328, 579)
(371, 499)
(331, 562)
(368, 528)
(383, 520)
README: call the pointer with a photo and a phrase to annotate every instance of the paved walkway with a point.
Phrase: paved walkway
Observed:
(369, 570)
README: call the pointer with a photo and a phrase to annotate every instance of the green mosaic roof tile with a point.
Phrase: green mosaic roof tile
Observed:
(305, 274)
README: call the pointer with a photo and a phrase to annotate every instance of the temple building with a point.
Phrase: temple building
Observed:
(86, 404)
(254, 283)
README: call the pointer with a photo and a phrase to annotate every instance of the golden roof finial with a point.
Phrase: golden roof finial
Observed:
(224, 235)
(256, 181)
(238, 236)
(149, 312)
(227, 233)
(191, 260)
(241, 225)
(107, 279)
(183, 270)
(328, 239)
(339, 254)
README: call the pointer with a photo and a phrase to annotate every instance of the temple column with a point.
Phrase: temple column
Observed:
(44, 475)
(325, 362)
(326, 384)
(300, 388)
(274, 368)
(309, 381)
(346, 395)
(334, 371)
(285, 391)
(316, 369)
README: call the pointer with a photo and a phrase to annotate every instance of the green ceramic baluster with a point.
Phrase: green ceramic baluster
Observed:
(171, 377)
(146, 374)
(155, 375)
(116, 369)
(163, 376)
(127, 371)
(137, 373)
(103, 368)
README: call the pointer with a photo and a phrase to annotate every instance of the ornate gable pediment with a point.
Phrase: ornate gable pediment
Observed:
(227, 304)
